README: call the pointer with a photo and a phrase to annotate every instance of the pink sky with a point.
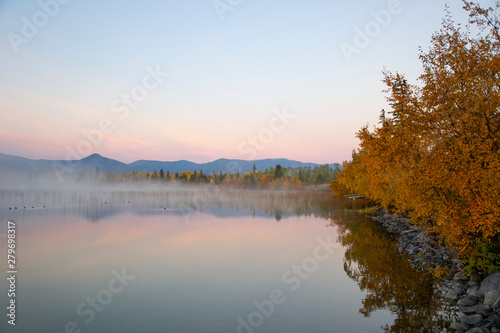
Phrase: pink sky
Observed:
(176, 81)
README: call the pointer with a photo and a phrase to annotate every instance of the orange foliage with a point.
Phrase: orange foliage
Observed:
(438, 156)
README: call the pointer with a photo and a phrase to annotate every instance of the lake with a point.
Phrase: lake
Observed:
(204, 260)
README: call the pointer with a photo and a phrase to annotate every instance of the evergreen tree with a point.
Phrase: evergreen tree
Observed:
(278, 172)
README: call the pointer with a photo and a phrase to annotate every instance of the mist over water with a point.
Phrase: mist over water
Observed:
(95, 197)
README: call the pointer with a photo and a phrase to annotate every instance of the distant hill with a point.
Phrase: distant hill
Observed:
(10, 164)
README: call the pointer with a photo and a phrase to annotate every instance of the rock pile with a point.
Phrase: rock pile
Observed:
(424, 249)
(474, 301)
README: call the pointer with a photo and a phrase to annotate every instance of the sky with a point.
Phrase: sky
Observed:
(200, 80)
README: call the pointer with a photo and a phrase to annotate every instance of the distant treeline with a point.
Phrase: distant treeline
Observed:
(437, 156)
(273, 177)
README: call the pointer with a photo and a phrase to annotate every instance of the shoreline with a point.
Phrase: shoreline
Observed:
(474, 301)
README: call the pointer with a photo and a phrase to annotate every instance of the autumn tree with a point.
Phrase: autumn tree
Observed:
(185, 175)
(436, 156)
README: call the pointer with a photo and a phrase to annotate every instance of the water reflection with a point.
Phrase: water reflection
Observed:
(221, 245)
(391, 283)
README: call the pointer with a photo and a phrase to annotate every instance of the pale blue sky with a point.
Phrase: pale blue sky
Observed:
(226, 77)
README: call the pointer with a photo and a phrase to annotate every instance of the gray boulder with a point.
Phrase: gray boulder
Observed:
(465, 302)
(458, 326)
(482, 309)
(475, 330)
(451, 295)
(473, 293)
(491, 297)
(490, 283)
(472, 319)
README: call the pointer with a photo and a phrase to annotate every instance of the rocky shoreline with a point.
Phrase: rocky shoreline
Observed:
(474, 301)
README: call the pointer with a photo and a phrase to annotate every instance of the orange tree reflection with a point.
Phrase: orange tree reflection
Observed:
(388, 279)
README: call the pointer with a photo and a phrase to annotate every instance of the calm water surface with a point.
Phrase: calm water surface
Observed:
(211, 261)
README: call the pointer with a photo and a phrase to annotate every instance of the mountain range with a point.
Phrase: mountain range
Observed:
(11, 164)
